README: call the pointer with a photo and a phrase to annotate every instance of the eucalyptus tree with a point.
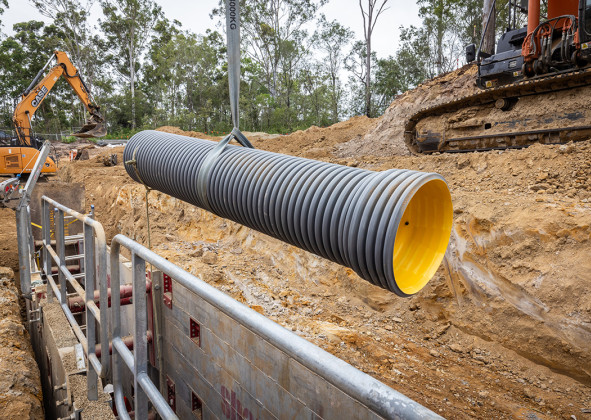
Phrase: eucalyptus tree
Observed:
(370, 11)
(356, 65)
(71, 17)
(333, 39)
(128, 26)
(269, 30)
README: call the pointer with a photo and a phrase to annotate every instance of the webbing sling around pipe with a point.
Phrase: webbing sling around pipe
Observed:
(392, 227)
(233, 44)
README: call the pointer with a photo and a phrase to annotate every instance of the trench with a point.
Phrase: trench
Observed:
(471, 278)
(390, 338)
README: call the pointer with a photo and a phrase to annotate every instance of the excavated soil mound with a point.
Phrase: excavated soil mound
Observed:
(176, 130)
(387, 137)
(313, 143)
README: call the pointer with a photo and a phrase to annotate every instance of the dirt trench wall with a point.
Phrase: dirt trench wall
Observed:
(528, 305)
(516, 273)
(20, 387)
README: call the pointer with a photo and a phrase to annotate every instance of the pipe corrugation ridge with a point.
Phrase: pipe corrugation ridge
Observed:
(345, 214)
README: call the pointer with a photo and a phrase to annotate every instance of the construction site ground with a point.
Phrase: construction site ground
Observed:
(503, 330)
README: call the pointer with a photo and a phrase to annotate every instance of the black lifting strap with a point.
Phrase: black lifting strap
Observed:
(233, 38)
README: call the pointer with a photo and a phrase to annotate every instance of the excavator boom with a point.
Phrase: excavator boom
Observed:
(19, 156)
(37, 91)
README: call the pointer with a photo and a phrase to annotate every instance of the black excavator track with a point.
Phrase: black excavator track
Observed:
(517, 132)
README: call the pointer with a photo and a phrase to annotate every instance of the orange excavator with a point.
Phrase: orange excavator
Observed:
(18, 155)
(533, 88)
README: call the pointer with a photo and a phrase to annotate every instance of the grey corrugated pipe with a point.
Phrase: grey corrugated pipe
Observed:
(391, 227)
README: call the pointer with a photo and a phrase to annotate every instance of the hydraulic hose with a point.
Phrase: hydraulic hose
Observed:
(392, 227)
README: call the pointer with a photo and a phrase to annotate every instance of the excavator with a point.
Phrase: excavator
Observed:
(534, 88)
(18, 155)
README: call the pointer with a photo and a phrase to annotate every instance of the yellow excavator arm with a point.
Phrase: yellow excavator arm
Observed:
(37, 91)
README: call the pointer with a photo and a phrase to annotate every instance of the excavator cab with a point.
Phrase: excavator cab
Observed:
(561, 43)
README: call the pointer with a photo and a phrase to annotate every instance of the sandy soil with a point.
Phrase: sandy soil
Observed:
(8, 244)
(386, 138)
(501, 331)
(20, 387)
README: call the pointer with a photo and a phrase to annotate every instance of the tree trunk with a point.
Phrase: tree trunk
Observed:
(440, 33)
(488, 43)
(335, 99)
(132, 83)
(368, 75)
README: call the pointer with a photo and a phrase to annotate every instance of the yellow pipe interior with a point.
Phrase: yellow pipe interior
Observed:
(422, 236)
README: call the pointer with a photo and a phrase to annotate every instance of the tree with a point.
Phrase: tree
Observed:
(128, 25)
(332, 40)
(22, 56)
(356, 64)
(488, 27)
(413, 57)
(71, 19)
(268, 28)
(469, 21)
(438, 16)
(316, 98)
(3, 4)
(370, 18)
(184, 73)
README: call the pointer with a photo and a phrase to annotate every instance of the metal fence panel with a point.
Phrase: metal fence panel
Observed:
(240, 363)
(217, 355)
(94, 278)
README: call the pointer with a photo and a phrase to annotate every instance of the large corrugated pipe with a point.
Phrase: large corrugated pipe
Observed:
(391, 227)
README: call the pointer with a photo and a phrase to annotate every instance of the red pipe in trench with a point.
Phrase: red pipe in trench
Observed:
(77, 304)
(128, 341)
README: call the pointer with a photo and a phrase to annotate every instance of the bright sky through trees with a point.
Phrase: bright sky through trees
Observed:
(194, 15)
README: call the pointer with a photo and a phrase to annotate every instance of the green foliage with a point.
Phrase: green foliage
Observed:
(297, 69)
(3, 4)
(69, 139)
(332, 39)
(128, 26)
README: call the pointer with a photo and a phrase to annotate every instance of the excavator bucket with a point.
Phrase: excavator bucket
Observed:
(94, 127)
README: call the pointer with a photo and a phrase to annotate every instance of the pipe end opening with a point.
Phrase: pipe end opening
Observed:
(422, 236)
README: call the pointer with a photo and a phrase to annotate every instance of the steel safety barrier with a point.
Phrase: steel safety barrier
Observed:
(381, 400)
(136, 362)
(95, 273)
(256, 361)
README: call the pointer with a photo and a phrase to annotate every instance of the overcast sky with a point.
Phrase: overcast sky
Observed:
(194, 15)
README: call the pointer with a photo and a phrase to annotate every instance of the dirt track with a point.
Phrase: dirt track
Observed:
(501, 331)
